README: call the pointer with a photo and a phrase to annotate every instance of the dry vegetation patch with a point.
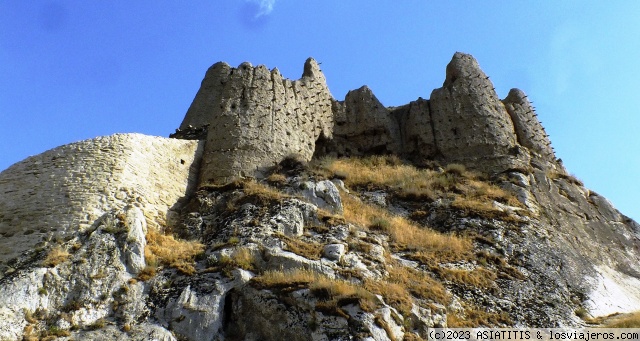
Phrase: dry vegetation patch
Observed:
(624, 321)
(310, 250)
(56, 256)
(473, 317)
(167, 250)
(469, 191)
(331, 293)
(407, 235)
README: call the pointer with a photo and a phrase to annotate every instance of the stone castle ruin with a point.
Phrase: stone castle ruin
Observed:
(253, 118)
(245, 120)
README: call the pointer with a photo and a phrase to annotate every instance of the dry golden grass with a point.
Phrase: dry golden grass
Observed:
(407, 235)
(310, 250)
(332, 293)
(624, 321)
(378, 171)
(478, 278)
(402, 283)
(172, 252)
(474, 318)
(262, 192)
(395, 294)
(468, 190)
(553, 175)
(243, 258)
(147, 273)
(277, 179)
(56, 256)
(419, 284)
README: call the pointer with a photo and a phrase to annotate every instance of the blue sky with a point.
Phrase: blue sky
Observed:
(72, 70)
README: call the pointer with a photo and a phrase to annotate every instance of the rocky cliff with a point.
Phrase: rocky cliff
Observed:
(277, 211)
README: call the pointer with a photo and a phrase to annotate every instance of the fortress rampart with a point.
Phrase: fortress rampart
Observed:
(64, 190)
(255, 118)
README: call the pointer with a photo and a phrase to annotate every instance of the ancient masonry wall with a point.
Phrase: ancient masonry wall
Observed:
(67, 188)
(256, 118)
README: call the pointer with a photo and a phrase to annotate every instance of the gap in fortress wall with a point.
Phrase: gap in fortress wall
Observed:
(67, 189)
(253, 118)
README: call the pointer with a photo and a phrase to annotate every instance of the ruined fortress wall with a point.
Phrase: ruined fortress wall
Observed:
(256, 118)
(470, 121)
(67, 188)
(528, 128)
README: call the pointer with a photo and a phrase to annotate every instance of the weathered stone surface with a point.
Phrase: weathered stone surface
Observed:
(257, 118)
(528, 129)
(364, 126)
(323, 194)
(64, 190)
(416, 126)
(136, 239)
(470, 122)
(334, 252)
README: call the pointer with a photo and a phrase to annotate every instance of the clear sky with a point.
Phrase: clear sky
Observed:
(73, 70)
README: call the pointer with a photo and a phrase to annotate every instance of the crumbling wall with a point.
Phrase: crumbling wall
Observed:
(470, 122)
(257, 118)
(528, 128)
(64, 190)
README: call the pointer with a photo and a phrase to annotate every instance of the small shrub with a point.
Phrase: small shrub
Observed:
(263, 194)
(56, 256)
(553, 175)
(28, 316)
(455, 169)
(99, 324)
(243, 258)
(55, 331)
(147, 273)
(582, 313)
(378, 223)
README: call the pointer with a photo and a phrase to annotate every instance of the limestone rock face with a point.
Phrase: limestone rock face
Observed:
(257, 118)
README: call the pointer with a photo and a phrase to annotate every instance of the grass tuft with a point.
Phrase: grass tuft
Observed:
(56, 256)
(167, 250)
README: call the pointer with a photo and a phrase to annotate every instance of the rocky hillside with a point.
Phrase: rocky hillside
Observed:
(278, 212)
